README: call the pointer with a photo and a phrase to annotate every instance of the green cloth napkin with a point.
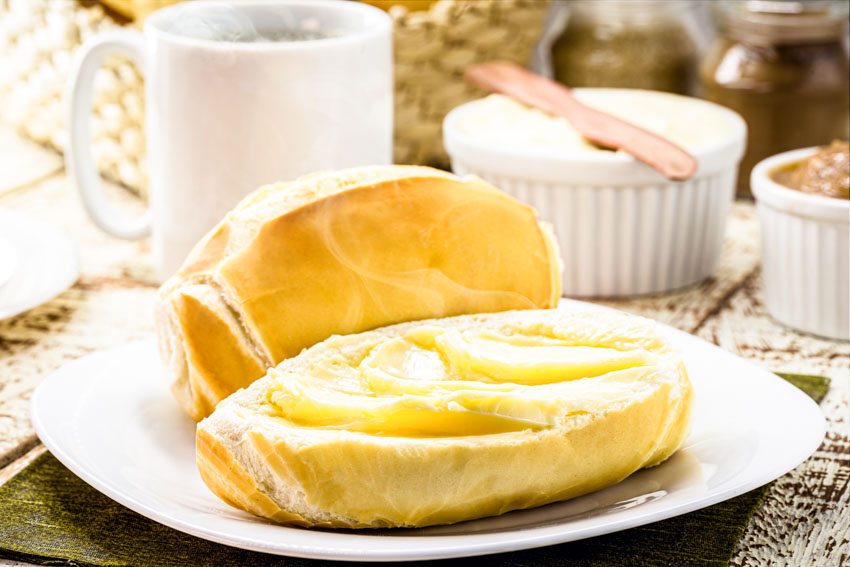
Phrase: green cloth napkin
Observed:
(49, 516)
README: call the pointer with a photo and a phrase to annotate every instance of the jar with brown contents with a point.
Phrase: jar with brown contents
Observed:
(783, 66)
(642, 44)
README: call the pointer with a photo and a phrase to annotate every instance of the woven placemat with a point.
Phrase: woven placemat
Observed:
(50, 516)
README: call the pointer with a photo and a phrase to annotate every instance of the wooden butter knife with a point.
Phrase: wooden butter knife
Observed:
(598, 127)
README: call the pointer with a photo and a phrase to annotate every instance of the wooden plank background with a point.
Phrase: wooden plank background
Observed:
(805, 519)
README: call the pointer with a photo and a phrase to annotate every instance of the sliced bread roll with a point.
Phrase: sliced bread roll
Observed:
(445, 420)
(338, 253)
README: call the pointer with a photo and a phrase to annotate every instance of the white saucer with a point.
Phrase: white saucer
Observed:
(8, 260)
(45, 262)
(110, 418)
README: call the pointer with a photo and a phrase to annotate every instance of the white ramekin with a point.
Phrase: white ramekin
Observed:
(623, 228)
(805, 252)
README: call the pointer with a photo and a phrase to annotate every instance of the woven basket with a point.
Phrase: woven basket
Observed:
(432, 48)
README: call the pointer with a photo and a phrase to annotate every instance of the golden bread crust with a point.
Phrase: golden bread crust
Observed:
(340, 253)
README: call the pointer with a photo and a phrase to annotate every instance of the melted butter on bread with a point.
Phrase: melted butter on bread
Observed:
(433, 381)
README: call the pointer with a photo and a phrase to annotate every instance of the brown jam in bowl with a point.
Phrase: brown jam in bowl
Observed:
(825, 173)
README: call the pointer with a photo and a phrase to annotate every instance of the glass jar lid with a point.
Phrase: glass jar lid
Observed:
(783, 21)
(630, 9)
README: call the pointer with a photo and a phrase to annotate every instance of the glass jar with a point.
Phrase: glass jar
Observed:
(783, 65)
(642, 44)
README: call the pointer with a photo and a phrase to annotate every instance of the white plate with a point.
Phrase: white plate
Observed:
(110, 418)
(46, 262)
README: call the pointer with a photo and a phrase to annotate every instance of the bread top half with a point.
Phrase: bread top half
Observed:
(343, 252)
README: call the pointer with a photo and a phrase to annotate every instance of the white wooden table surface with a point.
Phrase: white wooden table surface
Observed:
(805, 519)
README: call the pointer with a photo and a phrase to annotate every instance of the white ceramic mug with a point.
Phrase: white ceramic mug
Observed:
(226, 114)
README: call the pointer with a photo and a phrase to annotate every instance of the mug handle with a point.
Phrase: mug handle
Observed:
(78, 157)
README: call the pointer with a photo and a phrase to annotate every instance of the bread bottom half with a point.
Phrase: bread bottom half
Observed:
(259, 460)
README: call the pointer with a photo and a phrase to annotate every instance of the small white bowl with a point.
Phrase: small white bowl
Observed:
(623, 228)
(805, 252)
